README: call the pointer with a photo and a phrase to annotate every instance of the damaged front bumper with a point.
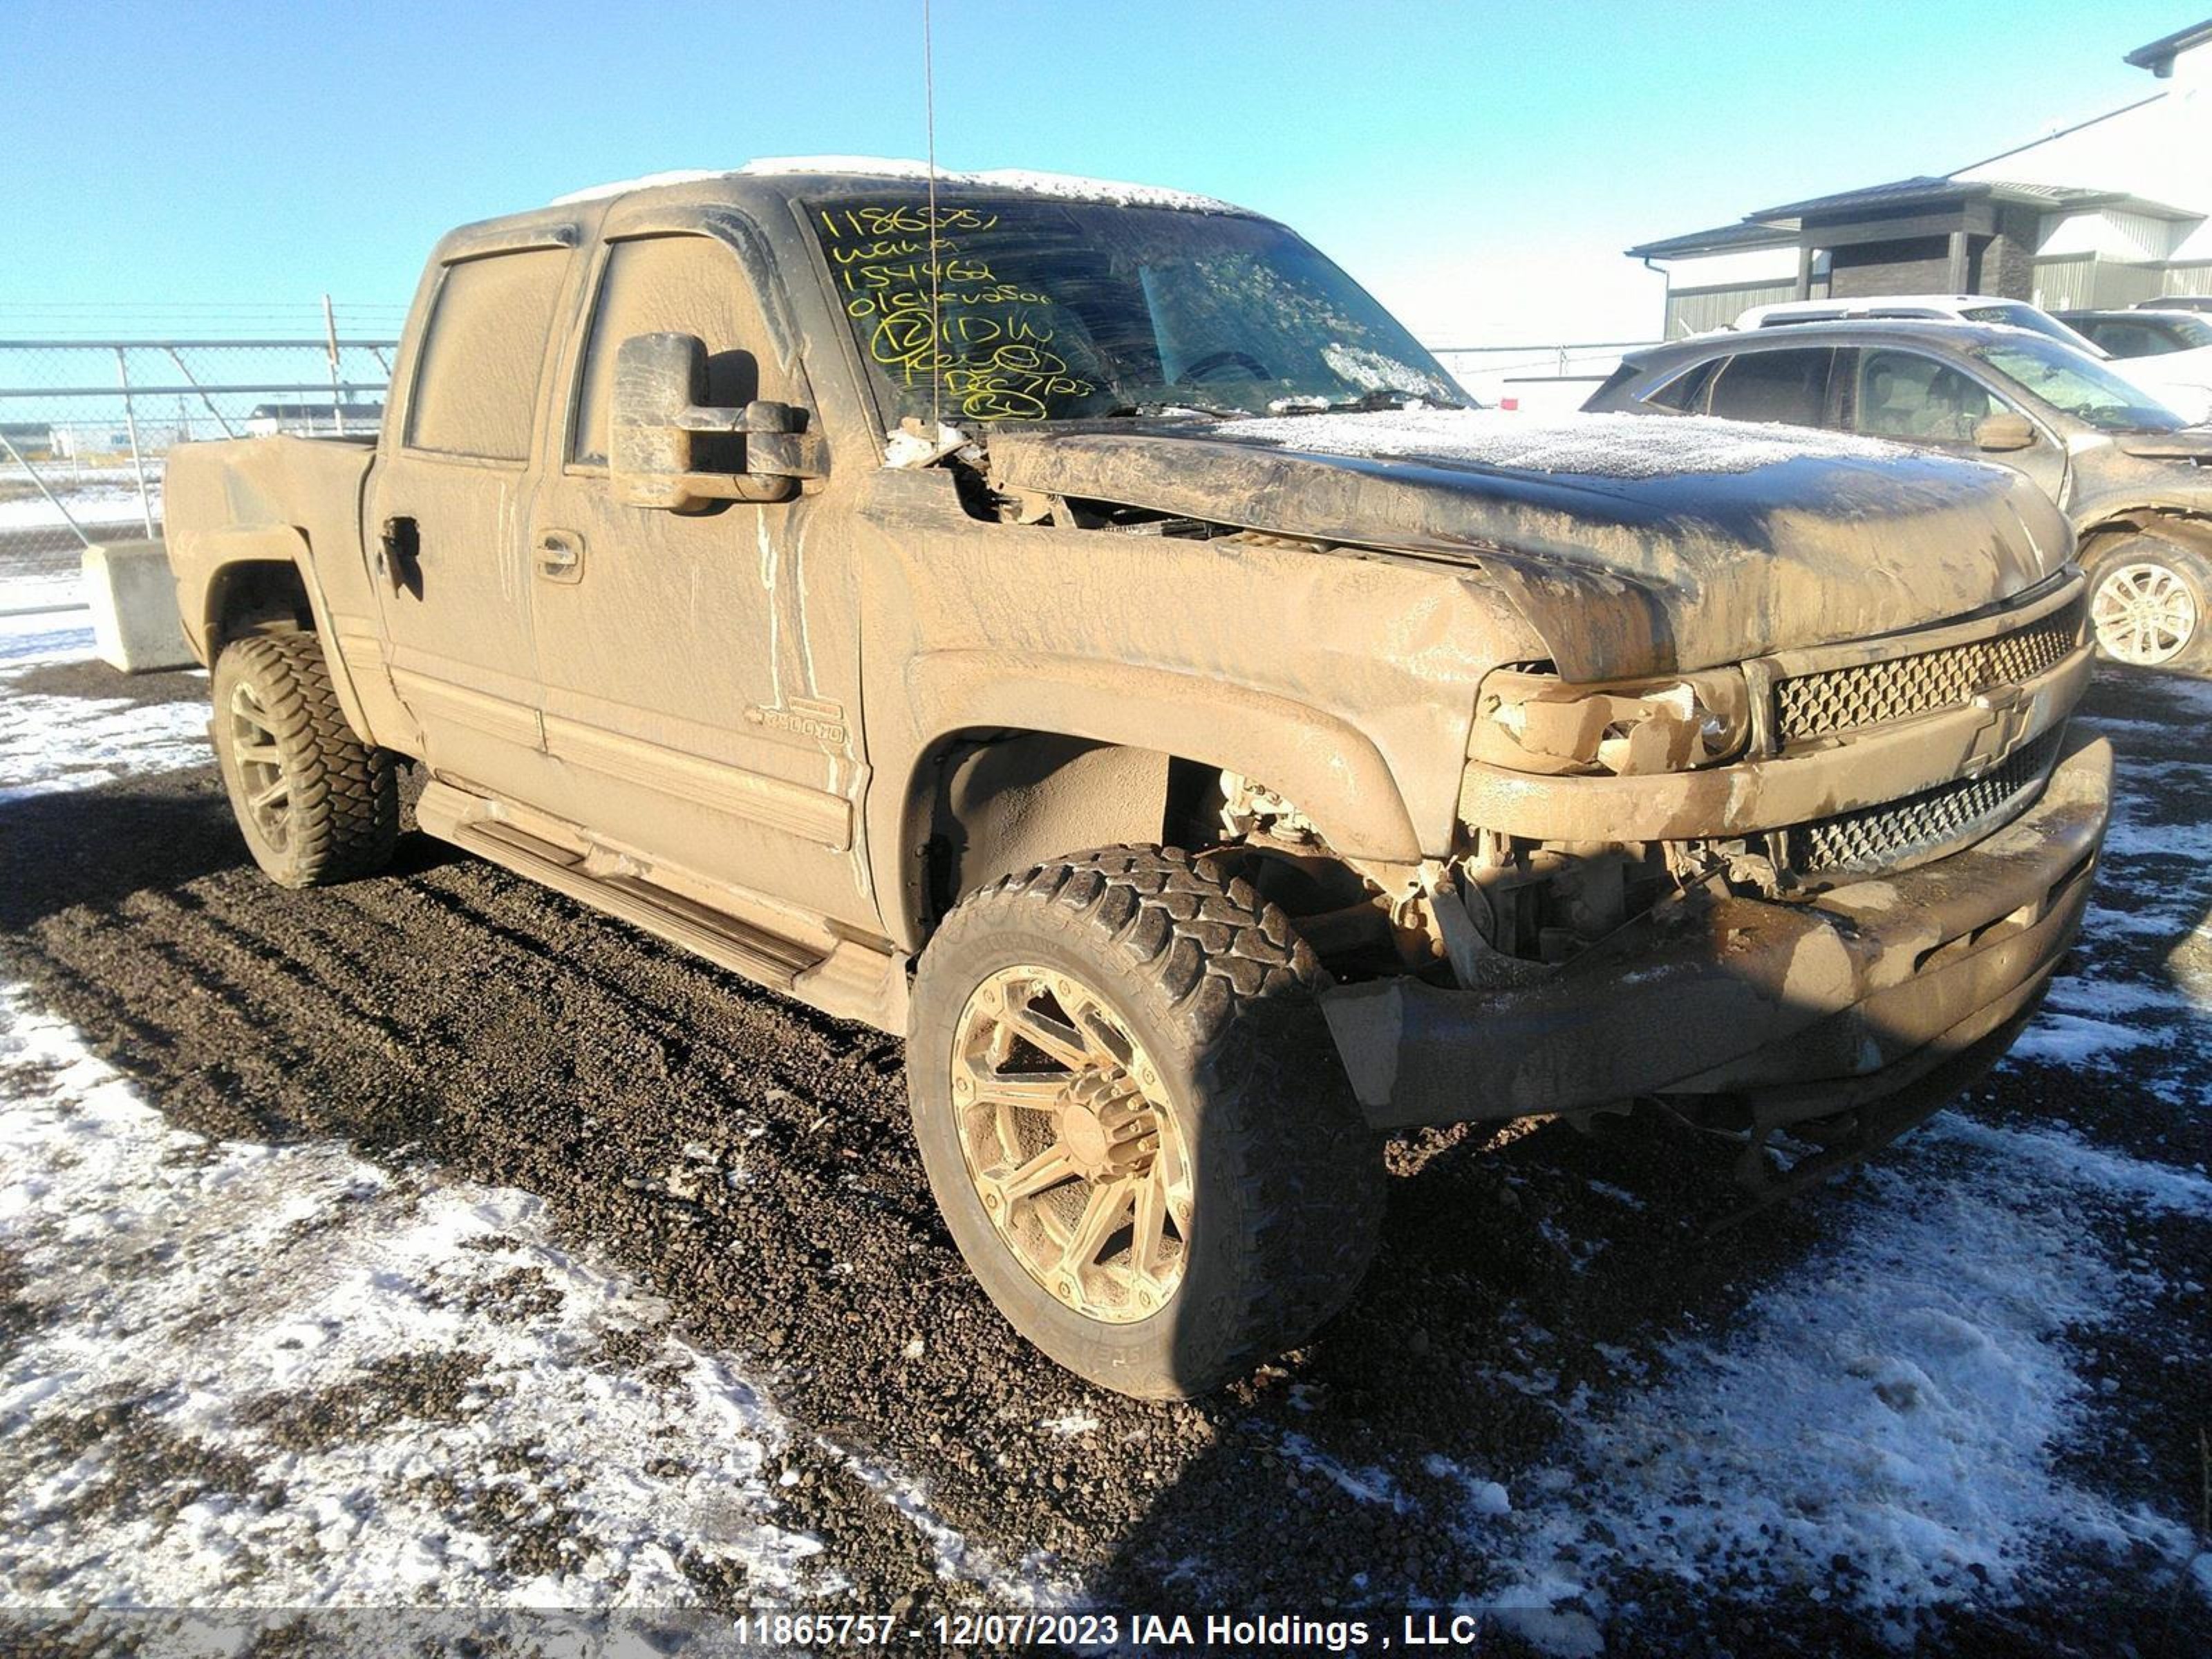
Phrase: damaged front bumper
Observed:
(1898, 987)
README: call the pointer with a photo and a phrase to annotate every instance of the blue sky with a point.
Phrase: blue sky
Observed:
(1479, 167)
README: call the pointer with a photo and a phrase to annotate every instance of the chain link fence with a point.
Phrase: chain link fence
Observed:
(1544, 379)
(86, 426)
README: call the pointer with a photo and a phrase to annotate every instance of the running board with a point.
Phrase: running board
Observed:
(452, 815)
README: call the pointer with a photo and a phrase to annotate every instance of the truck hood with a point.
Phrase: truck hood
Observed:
(1631, 544)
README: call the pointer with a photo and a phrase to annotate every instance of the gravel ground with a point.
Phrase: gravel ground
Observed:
(434, 1240)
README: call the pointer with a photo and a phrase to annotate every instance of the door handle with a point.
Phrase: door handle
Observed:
(399, 554)
(560, 554)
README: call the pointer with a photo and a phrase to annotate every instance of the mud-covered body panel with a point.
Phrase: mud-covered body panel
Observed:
(1618, 575)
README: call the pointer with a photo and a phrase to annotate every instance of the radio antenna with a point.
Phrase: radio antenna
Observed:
(936, 317)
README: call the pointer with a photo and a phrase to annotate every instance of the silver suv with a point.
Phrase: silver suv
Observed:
(2127, 471)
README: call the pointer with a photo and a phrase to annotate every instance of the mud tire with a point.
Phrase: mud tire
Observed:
(339, 817)
(1220, 991)
(2177, 570)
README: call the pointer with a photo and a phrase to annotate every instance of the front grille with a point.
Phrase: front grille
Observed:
(1838, 699)
(1882, 837)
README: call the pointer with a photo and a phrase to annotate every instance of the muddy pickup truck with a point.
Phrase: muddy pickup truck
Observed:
(1074, 627)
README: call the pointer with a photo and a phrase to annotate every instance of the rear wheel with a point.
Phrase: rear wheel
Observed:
(315, 804)
(2150, 602)
(1133, 1122)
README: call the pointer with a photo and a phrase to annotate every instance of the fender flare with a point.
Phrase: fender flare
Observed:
(218, 550)
(1330, 768)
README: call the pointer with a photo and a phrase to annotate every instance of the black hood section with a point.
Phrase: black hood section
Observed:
(2190, 444)
(1619, 575)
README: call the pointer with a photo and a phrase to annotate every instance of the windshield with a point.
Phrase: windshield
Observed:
(1054, 310)
(2082, 386)
(2018, 314)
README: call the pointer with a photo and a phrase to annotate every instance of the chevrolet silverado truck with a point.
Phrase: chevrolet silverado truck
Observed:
(1073, 627)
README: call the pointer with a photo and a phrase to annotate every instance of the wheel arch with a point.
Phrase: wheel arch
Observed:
(1114, 752)
(261, 579)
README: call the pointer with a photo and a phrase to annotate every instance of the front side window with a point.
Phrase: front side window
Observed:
(2081, 386)
(679, 284)
(1906, 395)
(476, 387)
(1042, 309)
(1791, 387)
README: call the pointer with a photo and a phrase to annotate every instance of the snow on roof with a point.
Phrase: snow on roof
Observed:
(1589, 445)
(1067, 186)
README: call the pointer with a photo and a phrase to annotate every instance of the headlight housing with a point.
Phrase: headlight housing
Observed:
(1670, 723)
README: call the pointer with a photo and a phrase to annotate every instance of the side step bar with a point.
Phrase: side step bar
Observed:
(452, 815)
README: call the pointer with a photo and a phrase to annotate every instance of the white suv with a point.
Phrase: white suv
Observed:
(1957, 307)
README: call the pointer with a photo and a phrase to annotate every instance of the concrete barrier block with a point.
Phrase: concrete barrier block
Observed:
(135, 626)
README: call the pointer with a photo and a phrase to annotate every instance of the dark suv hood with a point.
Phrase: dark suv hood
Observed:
(1631, 544)
(2190, 444)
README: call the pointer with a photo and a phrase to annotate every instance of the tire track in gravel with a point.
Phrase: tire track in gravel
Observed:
(545, 1047)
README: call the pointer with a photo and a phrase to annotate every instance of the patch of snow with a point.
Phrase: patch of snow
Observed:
(29, 638)
(98, 504)
(1898, 1403)
(1073, 1424)
(1065, 186)
(1588, 446)
(2062, 1039)
(1368, 1485)
(1033, 1584)
(50, 744)
(241, 1318)
(646, 181)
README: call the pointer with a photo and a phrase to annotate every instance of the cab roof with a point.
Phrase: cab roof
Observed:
(795, 171)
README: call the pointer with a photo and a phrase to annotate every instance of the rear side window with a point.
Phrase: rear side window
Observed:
(1787, 387)
(1686, 390)
(476, 385)
(2130, 339)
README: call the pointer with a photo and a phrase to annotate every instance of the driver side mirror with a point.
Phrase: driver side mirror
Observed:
(660, 407)
(2007, 431)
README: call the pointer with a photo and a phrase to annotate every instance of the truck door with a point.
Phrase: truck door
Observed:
(447, 510)
(699, 670)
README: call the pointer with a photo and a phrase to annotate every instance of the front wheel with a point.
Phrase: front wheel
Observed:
(2150, 602)
(1133, 1122)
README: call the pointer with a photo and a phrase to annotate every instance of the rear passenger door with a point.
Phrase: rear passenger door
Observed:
(447, 509)
(1790, 387)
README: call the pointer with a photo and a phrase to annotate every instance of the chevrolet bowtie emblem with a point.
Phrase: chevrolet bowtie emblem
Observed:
(2003, 717)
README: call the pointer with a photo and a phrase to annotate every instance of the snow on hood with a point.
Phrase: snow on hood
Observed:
(1587, 446)
(1066, 186)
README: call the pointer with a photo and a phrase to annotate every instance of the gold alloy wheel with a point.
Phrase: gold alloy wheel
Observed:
(1071, 1141)
(2143, 614)
(267, 795)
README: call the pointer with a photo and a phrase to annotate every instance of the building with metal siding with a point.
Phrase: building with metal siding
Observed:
(2107, 212)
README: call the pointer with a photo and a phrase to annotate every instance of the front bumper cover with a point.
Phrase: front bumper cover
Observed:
(1807, 1009)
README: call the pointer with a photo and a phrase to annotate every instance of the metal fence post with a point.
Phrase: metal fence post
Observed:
(130, 425)
(337, 392)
